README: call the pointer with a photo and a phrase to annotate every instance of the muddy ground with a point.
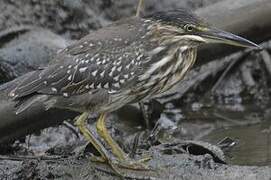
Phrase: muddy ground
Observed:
(229, 97)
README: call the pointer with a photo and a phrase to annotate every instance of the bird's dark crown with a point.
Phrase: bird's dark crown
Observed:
(178, 17)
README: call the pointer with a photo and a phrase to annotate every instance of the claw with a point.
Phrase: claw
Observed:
(134, 165)
(145, 159)
(97, 159)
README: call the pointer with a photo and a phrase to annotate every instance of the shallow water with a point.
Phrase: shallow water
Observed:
(253, 137)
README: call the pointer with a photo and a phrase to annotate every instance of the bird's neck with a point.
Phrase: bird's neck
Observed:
(168, 66)
(181, 61)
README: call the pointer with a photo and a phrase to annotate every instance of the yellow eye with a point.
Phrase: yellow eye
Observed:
(189, 27)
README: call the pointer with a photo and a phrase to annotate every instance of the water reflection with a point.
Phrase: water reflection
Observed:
(254, 143)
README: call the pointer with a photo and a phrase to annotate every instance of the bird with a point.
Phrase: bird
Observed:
(129, 61)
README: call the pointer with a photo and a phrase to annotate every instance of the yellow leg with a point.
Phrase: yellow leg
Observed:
(123, 159)
(81, 124)
(105, 157)
(103, 132)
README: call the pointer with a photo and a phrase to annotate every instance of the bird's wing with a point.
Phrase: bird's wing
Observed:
(110, 63)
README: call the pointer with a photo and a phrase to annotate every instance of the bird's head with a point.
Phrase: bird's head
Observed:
(183, 25)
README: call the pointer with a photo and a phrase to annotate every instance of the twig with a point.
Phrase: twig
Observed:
(218, 82)
(247, 74)
(145, 114)
(139, 7)
(22, 158)
(15, 30)
(71, 128)
(267, 60)
(235, 122)
(227, 70)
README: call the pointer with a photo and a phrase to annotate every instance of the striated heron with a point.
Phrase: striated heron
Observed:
(126, 62)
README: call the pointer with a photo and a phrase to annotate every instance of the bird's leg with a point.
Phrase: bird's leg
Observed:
(123, 158)
(105, 157)
(81, 124)
(103, 132)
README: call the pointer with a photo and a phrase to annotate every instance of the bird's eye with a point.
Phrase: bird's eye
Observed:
(189, 27)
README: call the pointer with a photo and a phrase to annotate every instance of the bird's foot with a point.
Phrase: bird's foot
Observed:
(129, 163)
(126, 163)
(98, 159)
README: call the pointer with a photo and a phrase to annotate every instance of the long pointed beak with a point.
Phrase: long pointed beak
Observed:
(214, 35)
